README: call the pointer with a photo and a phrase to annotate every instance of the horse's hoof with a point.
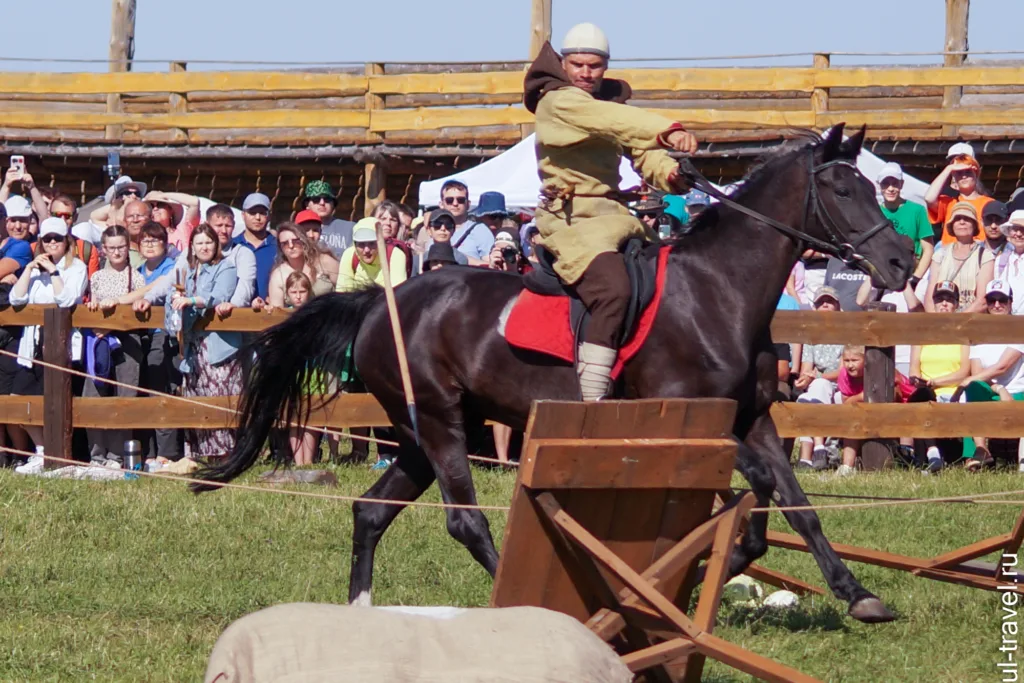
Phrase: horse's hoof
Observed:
(871, 611)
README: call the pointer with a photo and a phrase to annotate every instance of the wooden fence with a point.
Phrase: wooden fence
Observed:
(58, 412)
(429, 104)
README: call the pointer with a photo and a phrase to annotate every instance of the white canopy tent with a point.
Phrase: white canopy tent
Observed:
(514, 174)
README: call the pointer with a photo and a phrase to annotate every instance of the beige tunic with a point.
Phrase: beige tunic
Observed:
(580, 141)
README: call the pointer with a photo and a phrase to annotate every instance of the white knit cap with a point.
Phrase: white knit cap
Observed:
(586, 38)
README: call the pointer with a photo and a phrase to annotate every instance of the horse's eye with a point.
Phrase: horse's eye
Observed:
(843, 192)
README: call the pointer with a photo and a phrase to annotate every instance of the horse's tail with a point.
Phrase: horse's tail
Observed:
(290, 359)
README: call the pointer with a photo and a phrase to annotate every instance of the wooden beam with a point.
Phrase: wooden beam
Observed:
(122, 49)
(956, 41)
(273, 118)
(178, 104)
(819, 98)
(190, 81)
(1003, 420)
(540, 26)
(891, 329)
(56, 384)
(373, 101)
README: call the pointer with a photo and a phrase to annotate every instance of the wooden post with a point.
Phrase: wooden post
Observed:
(819, 98)
(956, 41)
(178, 104)
(122, 50)
(540, 33)
(374, 101)
(374, 176)
(879, 387)
(56, 384)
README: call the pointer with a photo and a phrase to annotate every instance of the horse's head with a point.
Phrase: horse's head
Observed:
(846, 213)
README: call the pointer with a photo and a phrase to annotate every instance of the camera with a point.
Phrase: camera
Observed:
(510, 255)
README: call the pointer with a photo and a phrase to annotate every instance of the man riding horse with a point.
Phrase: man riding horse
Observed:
(583, 130)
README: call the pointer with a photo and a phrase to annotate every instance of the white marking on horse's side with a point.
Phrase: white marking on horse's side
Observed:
(506, 311)
(363, 600)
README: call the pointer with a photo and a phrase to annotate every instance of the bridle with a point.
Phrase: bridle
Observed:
(839, 245)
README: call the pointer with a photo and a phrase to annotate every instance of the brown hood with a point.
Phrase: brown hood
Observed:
(546, 74)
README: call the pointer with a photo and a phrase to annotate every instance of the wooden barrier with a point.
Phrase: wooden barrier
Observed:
(860, 421)
(377, 101)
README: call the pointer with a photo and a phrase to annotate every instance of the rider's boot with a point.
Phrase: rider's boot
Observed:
(594, 368)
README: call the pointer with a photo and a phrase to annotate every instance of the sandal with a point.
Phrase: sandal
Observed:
(982, 459)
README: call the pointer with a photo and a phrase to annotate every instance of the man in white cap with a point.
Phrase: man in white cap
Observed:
(258, 239)
(909, 218)
(360, 264)
(583, 130)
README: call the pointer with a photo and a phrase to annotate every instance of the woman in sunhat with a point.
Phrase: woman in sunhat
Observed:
(963, 262)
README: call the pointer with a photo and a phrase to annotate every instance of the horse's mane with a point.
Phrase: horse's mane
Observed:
(761, 172)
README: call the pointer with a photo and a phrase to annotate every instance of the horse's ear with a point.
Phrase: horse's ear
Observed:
(833, 139)
(851, 147)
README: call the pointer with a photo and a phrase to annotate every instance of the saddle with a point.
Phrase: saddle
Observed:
(642, 274)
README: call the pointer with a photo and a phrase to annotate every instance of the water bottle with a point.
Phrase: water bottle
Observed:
(132, 458)
(172, 320)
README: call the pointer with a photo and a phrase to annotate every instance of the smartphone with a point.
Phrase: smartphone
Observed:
(113, 167)
(18, 163)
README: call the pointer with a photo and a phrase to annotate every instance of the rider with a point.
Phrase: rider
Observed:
(583, 130)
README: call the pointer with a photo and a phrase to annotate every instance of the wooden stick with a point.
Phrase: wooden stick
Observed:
(396, 329)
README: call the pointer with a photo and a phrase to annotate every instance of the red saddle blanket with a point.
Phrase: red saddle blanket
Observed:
(542, 323)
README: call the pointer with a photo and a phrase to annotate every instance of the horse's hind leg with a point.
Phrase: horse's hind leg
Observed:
(406, 480)
(863, 605)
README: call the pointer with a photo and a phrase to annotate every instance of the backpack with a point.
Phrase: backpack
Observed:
(390, 246)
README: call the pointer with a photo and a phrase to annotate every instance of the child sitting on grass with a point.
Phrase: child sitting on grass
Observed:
(851, 387)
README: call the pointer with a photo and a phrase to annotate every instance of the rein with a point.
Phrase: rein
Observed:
(839, 245)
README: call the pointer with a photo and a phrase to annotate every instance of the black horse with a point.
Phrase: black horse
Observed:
(711, 338)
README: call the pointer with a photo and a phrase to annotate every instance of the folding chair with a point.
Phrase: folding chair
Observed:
(611, 515)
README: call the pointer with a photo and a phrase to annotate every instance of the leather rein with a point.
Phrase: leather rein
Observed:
(839, 245)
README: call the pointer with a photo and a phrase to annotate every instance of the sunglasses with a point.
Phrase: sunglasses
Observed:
(49, 239)
(648, 214)
(65, 216)
(366, 245)
(128, 193)
(441, 226)
(456, 200)
(288, 244)
(322, 200)
(998, 299)
(889, 182)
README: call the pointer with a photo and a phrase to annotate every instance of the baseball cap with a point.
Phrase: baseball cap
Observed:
(946, 287)
(442, 216)
(17, 207)
(675, 206)
(53, 226)
(826, 293)
(365, 230)
(890, 170)
(960, 148)
(999, 287)
(256, 199)
(318, 188)
(504, 236)
(306, 215)
(697, 198)
(997, 210)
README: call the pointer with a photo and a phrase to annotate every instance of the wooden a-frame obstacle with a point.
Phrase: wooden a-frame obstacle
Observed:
(611, 515)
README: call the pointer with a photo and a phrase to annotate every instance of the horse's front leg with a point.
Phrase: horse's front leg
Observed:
(863, 605)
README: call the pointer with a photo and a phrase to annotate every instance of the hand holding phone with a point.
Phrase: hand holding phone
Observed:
(18, 164)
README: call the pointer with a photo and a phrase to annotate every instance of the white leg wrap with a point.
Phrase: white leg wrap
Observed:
(595, 370)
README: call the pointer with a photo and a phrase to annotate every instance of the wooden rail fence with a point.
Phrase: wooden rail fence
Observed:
(425, 104)
(58, 412)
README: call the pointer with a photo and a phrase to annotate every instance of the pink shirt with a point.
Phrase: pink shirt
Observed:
(851, 386)
(179, 235)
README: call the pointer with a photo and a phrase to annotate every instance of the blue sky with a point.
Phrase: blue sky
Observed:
(494, 30)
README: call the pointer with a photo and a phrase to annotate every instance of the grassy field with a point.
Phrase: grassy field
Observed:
(134, 581)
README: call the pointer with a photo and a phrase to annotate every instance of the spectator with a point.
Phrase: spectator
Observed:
(470, 237)
(16, 249)
(815, 268)
(697, 202)
(159, 348)
(258, 239)
(391, 225)
(909, 218)
(819, 371)
(440, 228)
(19, 218)
(963, 261)
(40, 206)
(176, 211)
(997, 372)
(335, 233)
(210, 359)
(675, 222)
(649, 210)
(846, 281)
(1012, 270)
(304, 442)
(361, 263)
(439, 255)
(116, 355)
(1016, 200)
(138, 213)
(962, 176)
(15, 254)
(851, 390)
(505, 255)
(993, 217)
(296, 253)
(529, 236)
(53, 277)
(406, 215)
(491, 211)
(221, 218)
(117, 196)
(310, 223)
(63, 207)
(937, 369)
(905, 302)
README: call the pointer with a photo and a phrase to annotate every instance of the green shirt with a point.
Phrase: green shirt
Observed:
(910, 219)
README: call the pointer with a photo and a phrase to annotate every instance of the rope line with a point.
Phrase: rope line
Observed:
(185, 399)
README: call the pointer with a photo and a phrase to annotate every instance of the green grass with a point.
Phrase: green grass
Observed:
(134, 581)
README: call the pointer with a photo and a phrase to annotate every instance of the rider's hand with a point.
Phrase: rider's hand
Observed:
(682, 141)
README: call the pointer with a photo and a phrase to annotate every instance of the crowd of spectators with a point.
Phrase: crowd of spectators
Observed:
(968, 248)
(143, 248)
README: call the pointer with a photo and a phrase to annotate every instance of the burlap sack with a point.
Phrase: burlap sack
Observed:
(315, 643)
